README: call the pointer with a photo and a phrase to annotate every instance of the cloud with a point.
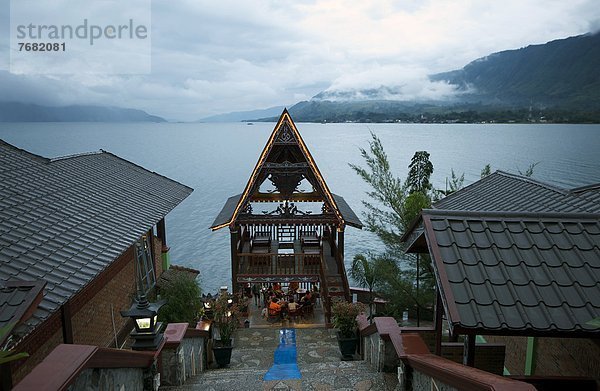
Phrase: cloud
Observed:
(212, 57)
(389, 82)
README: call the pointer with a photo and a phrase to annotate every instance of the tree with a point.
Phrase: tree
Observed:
(183, 300)
(487, 170)
(367, 273)
(419, 173)
(385, 212)
(529, 172)
(393, 206)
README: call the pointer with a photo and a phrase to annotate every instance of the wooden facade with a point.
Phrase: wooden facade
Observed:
(287, 226)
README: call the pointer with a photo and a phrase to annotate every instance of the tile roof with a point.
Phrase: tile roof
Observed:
(502, 191)
(18, 300)
(65, 220)
(517, 273)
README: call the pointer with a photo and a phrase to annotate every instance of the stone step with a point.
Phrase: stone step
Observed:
(318, 359)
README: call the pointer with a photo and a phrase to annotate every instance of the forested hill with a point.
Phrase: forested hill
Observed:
(26, 112)
(555, 82)
(563, 73)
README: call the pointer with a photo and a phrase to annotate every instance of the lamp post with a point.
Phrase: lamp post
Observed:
(144, 314)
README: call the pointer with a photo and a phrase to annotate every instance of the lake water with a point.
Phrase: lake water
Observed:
(217, 159)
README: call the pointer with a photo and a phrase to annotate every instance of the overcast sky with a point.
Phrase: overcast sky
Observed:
(210, 57)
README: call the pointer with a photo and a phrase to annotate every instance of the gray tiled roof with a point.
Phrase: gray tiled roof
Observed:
(65, 220)
(517, 273)
(502, 191)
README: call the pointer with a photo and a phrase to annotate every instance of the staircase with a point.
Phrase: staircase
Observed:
(318, 359)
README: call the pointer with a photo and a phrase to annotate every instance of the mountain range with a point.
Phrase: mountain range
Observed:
(558, 81)
(27, 112)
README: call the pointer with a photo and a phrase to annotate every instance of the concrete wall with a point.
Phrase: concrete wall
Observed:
(118, 379)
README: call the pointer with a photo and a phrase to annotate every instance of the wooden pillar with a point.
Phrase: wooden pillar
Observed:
(469, 350)
(67, 326)
(340, 245)
(531, 356)
(235, 260)
(161, 232)
(439, 312)
(5, 377)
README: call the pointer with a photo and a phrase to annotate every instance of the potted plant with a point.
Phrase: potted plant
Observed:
(226, 320)
(344, 319)
(243, 303)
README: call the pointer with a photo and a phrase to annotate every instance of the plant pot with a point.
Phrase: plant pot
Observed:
(222, 353)
(347, 346)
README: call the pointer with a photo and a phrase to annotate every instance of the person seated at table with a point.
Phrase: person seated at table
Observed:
(275, 307)
(307, 298)
(277, 289)
(293, 306)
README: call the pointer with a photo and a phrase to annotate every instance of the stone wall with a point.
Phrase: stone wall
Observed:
(380, 353)
(130, 379)
(423, 382)
(184, 354)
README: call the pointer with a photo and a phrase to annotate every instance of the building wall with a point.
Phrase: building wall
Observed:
(568, 357)
(516, 351)
(99, 318)
(555, 356)
(92, 312)
(38, 344)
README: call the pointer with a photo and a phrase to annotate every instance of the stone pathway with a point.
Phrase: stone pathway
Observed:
(318, 360)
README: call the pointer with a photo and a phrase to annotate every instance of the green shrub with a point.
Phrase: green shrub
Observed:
(183, 300)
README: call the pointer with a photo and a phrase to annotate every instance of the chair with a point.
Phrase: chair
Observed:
(307, 309)
(273, 316)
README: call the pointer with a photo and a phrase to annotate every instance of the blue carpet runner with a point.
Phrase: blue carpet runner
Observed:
(285, 365)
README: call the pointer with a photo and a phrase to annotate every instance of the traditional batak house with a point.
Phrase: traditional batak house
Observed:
(287, 226)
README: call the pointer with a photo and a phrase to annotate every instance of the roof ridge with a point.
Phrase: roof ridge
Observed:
(24, 152)
(75, 155)
(143, 168)
(583, 189)
(533, 181)
(104, 152)
(512, 214)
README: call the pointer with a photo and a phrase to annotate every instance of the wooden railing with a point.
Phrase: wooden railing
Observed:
(280, 264)
(414, 354)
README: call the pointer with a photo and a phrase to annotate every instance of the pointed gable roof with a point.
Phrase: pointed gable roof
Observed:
(286, 160)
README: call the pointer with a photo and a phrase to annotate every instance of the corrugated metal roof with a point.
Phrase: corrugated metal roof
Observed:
(517, 273)
(65, 220)
(502, 191)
